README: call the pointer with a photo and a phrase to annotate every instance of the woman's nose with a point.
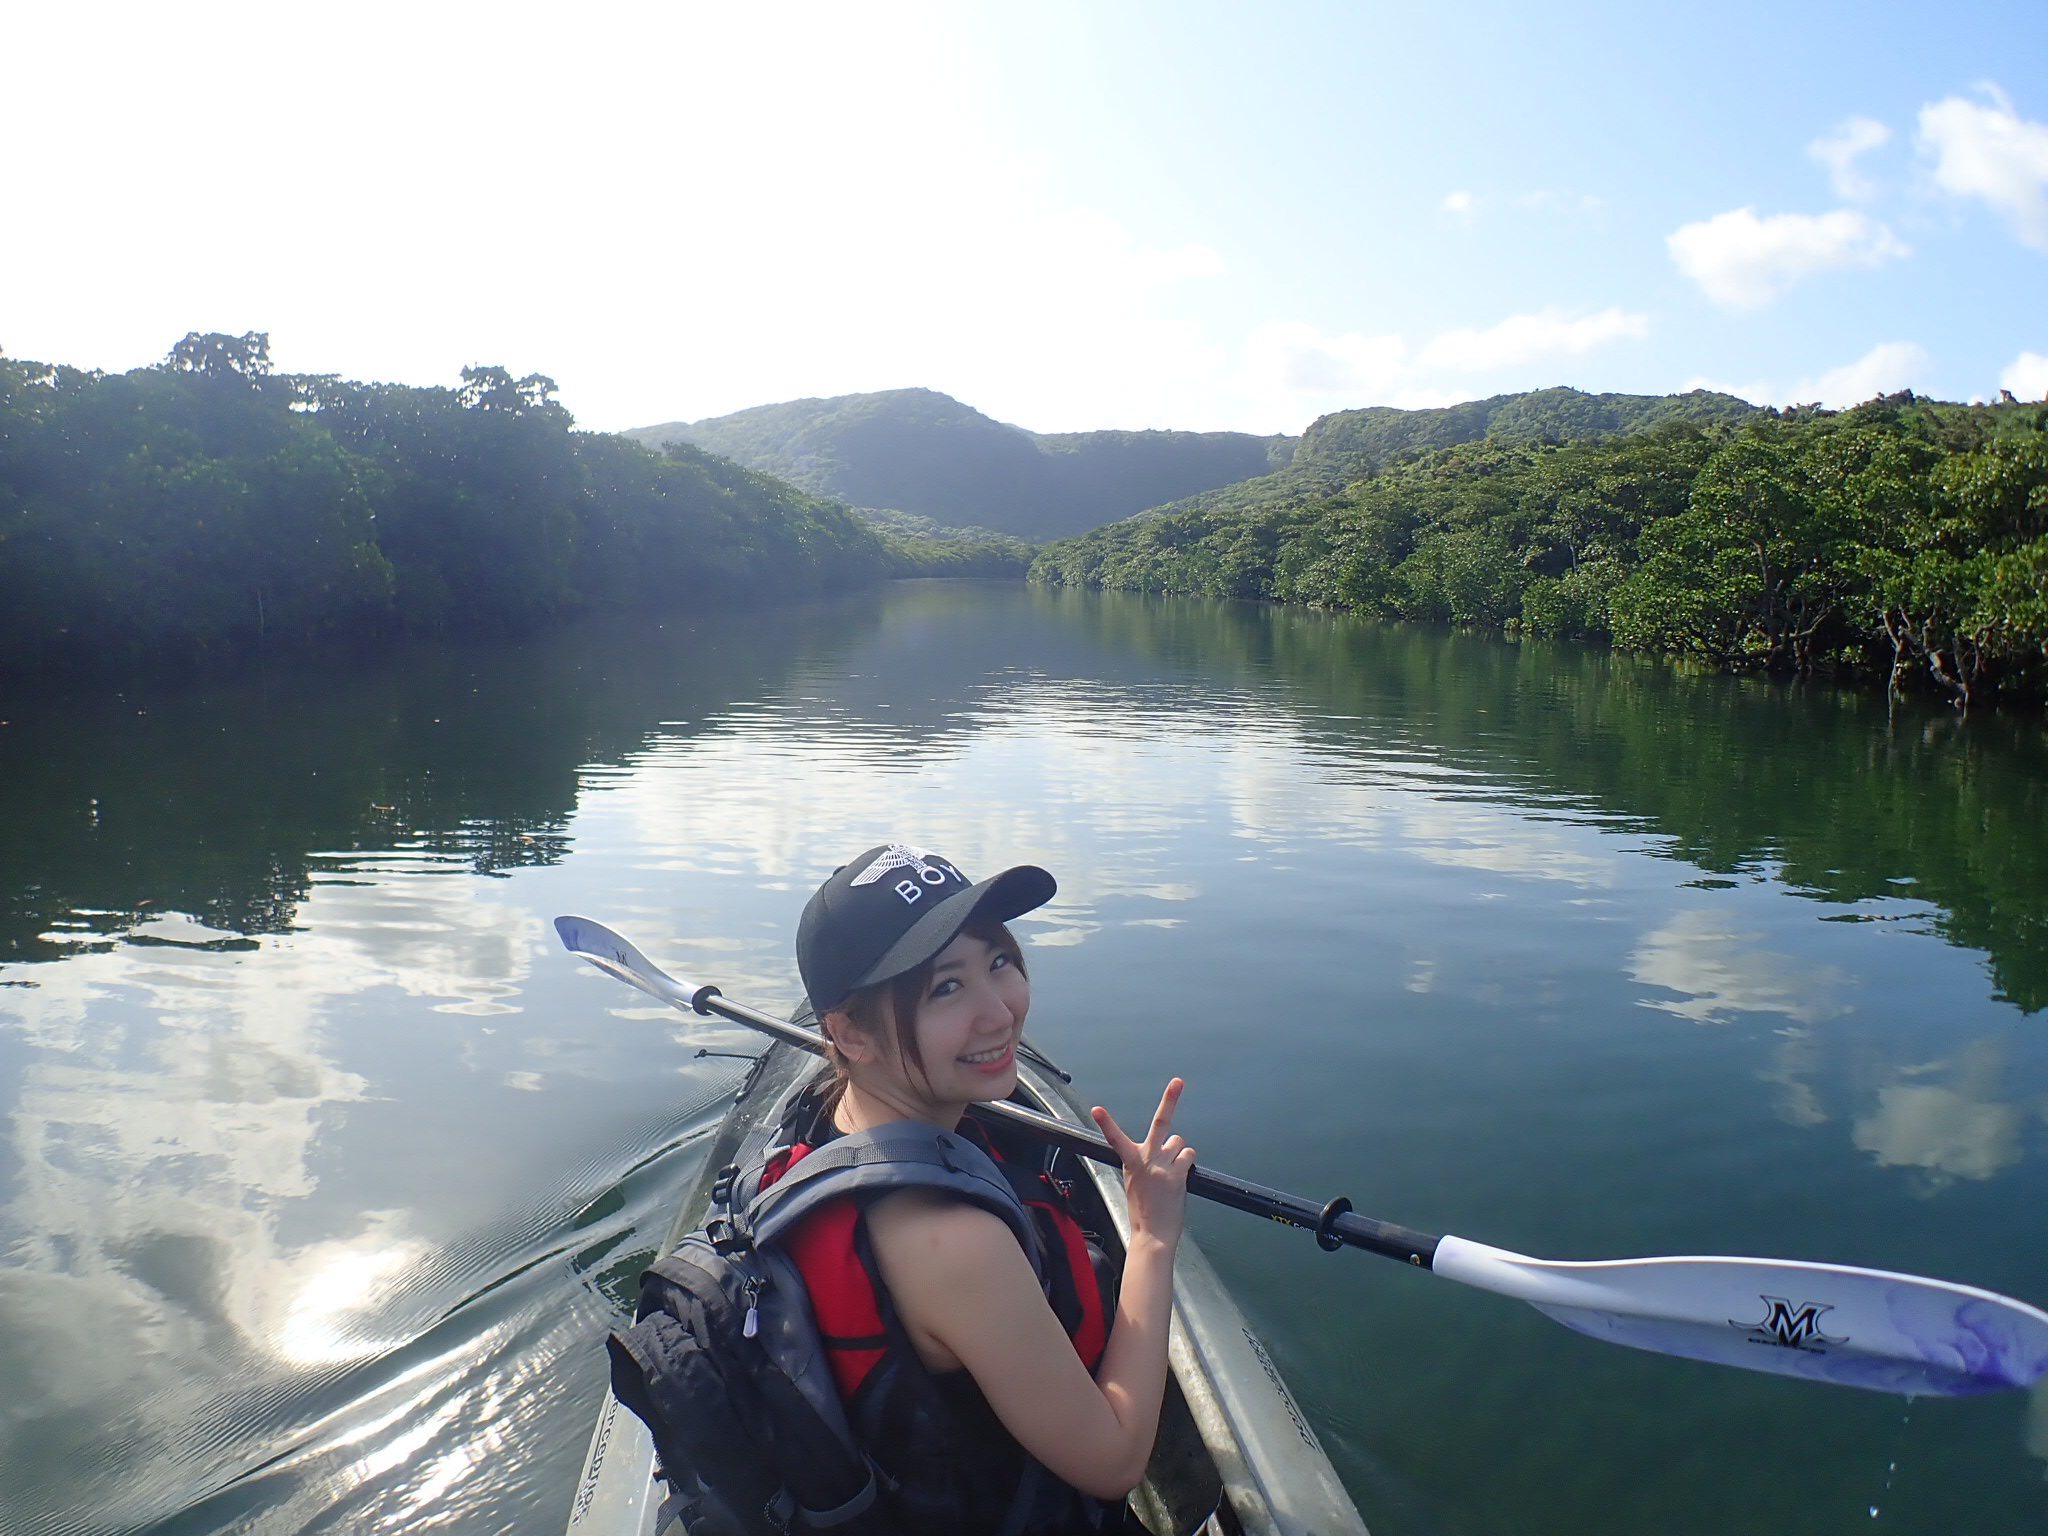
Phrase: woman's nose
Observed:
(998, 1008)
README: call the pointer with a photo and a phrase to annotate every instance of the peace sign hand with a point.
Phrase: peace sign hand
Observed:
(1155, 1170)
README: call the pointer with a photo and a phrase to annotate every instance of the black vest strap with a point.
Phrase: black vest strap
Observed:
(904, 1154)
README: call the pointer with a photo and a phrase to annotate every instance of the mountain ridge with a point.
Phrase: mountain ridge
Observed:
(921, 452)
(922, 455)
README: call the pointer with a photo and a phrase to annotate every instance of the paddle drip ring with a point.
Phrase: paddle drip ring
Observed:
(1326, 1237)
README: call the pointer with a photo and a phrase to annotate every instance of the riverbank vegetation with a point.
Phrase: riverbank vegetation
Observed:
(208, 509)
(1906, 540)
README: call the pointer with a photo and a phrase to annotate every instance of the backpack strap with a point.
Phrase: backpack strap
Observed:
(772, 1135)
(904, 1154)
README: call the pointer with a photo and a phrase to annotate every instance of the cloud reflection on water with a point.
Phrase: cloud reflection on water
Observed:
(778, 794)
(1958, 1129)
(166, 1127)
(1954, 1130)
(1707, 956)
(1794, 1063)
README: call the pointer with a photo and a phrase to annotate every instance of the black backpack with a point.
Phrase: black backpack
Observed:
(724, 1364)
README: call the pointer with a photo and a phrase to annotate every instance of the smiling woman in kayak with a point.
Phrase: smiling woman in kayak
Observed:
(1001, 1390)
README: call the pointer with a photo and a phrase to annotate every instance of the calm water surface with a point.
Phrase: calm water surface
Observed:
(324, 1171)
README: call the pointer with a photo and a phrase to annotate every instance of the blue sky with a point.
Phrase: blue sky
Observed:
(1070, 215)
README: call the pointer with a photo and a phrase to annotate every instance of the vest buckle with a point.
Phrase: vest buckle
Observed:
(721, 1190)
(725, 1238)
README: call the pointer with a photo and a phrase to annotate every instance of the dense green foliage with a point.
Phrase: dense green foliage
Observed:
(909, 525)
(1904, 538)
(919, 546)
(998, 556)
(918, 451)
(1345, 445)
(209, 507)
(1380, 434)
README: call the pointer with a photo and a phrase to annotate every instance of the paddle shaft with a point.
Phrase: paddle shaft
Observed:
(1898, 1333)
(1335, 1224)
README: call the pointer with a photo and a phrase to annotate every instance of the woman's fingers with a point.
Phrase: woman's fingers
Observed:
(1113, 1133)
(1162, 1149)
(1162, 1118)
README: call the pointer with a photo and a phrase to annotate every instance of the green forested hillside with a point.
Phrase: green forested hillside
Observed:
(921, 452)
(209, 508)
(1338, 448)
(1380, 434)
(1905, 538)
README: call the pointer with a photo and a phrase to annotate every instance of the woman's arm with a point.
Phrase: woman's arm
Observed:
(966, 1293)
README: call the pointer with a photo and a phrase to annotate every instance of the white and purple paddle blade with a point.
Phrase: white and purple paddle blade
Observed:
(615, 955)
(1826, 1322)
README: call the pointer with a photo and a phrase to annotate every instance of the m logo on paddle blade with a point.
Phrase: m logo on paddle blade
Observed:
(1790, 1326)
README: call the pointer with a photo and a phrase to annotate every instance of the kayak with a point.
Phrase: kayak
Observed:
(1234, 1454)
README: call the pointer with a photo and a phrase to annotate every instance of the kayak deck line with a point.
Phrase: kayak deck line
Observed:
(1235, 1453)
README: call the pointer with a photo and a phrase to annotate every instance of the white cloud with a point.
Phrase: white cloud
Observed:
(1839, 148)
(1743, 262)
(1459, 203)
(2027, 376)
(1292, 368)
(1886, 368)
(1531, 338)
(1756, 392)
(1991, 152)
(1294, 358)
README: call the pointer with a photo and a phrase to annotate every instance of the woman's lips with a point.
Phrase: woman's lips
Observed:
(996, 1063)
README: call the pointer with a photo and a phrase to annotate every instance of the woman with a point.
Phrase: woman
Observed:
(984, 1381)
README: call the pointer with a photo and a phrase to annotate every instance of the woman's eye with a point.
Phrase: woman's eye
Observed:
(999, 961)
(946, 988)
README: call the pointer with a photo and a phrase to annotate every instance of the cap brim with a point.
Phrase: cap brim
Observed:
(999, 898)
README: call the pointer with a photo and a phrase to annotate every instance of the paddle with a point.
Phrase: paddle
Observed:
(1827, 1322)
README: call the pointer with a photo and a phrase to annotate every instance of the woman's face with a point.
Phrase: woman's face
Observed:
(969, 1022)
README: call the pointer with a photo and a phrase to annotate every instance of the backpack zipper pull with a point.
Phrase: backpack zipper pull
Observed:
(753, 1322)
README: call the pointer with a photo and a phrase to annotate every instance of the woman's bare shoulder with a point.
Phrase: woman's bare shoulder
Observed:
(933, 1225)
(955, 1271)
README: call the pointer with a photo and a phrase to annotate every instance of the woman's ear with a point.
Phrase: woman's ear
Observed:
(846, 1036)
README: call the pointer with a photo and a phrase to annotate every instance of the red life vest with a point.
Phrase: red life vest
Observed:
(844, 1292)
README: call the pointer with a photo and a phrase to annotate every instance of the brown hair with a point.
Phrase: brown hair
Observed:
(897, 998)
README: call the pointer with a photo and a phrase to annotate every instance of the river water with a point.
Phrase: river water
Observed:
(324, 1170)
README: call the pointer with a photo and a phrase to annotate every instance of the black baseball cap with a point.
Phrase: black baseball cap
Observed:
(892, 909)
